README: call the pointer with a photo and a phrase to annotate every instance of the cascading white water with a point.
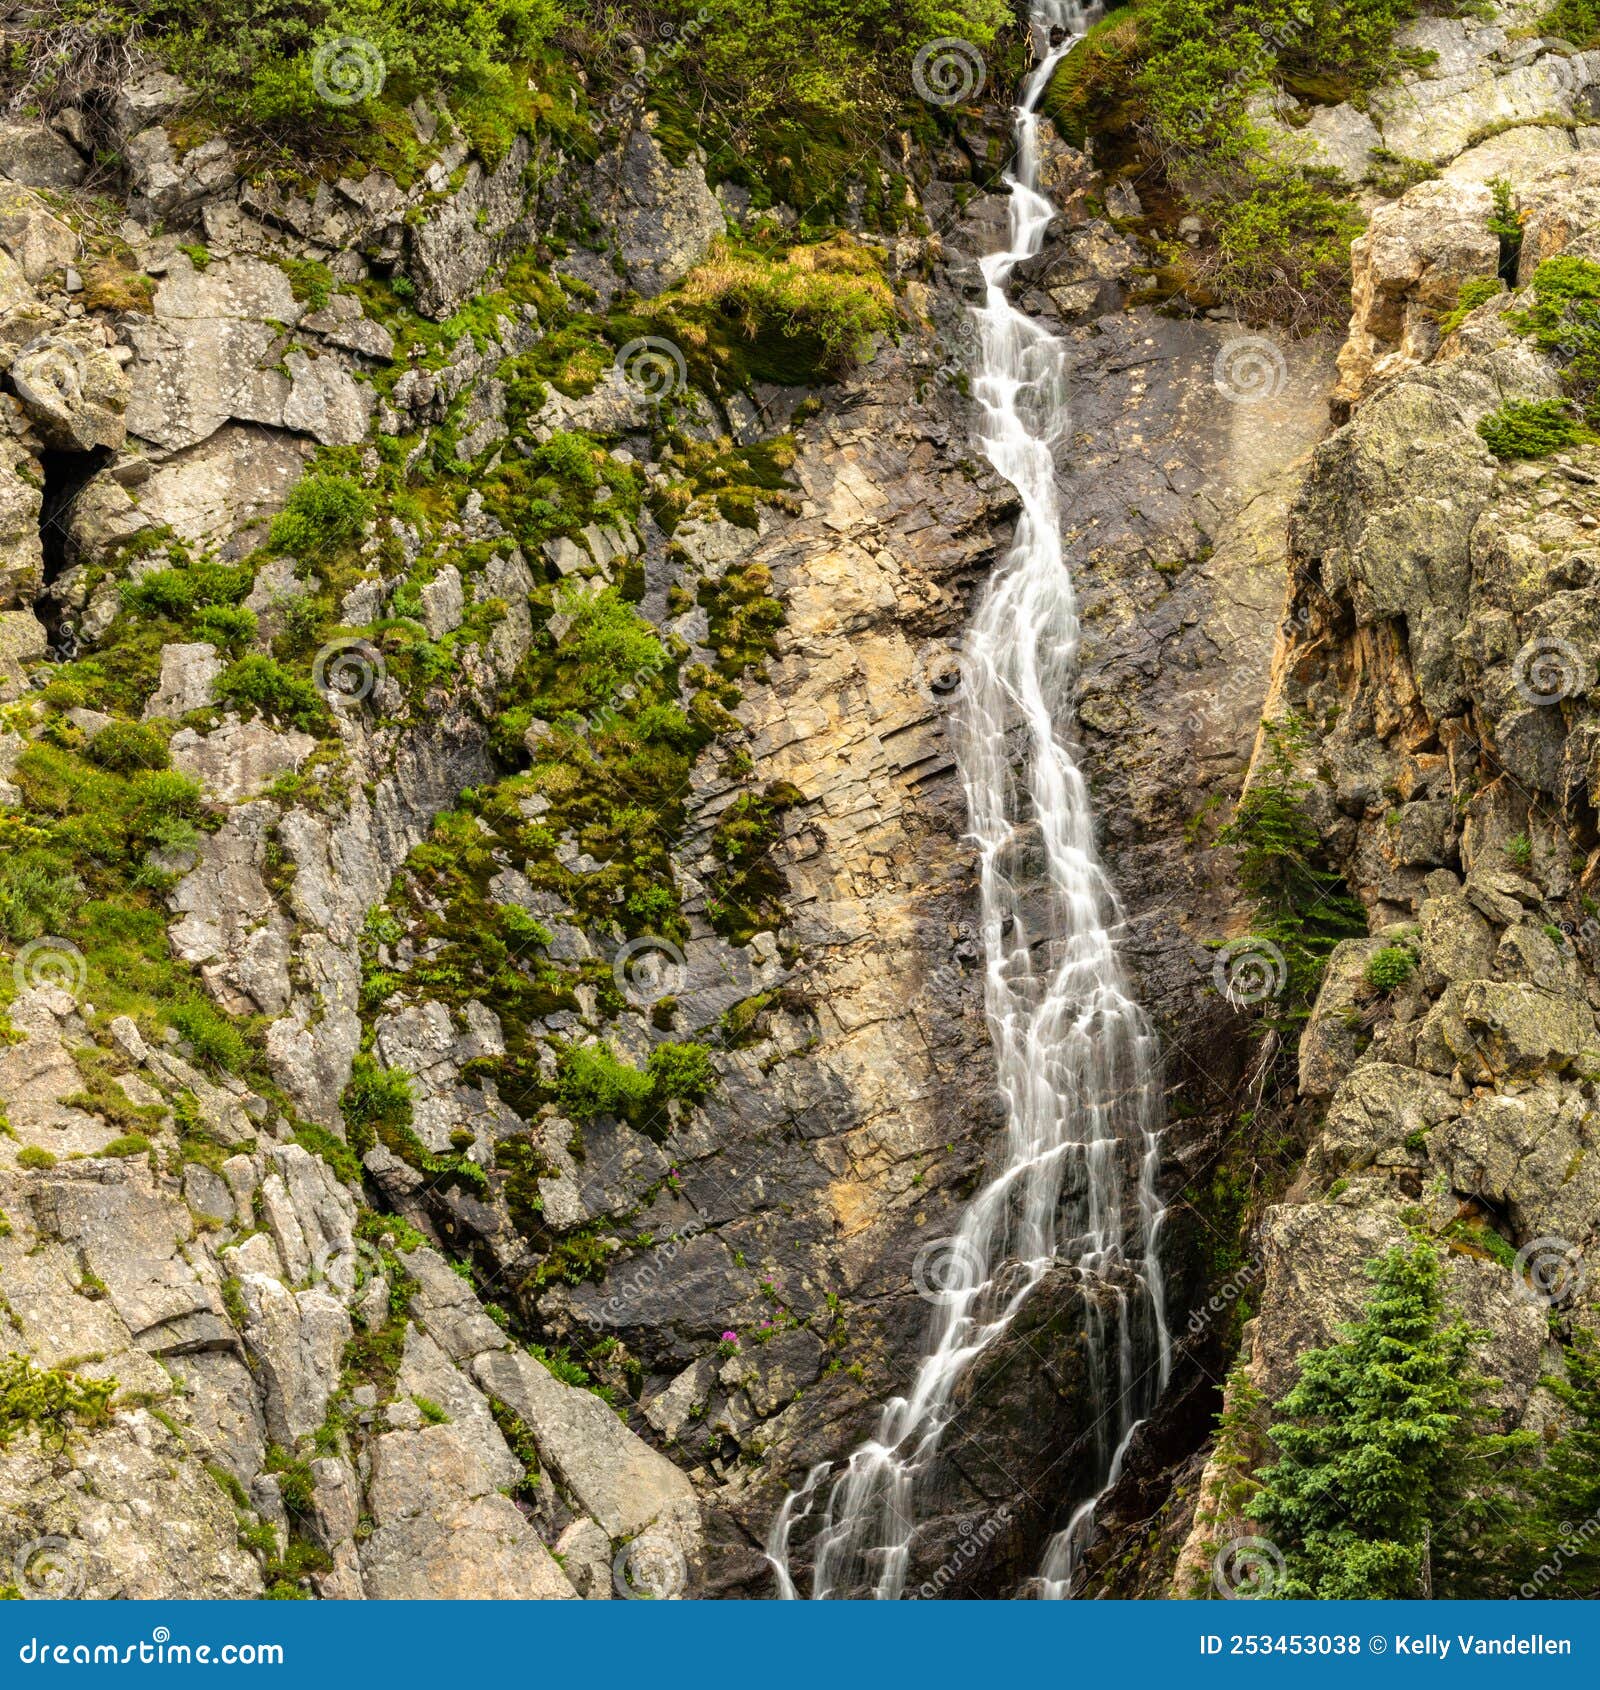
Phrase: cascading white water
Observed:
(1075, 1056)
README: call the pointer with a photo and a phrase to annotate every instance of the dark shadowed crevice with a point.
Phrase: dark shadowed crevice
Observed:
(65, 476)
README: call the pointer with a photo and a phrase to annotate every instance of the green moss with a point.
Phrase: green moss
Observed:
(335, 1152)
(36, 1157)
(744, 895)
(593, 1081)
(130, 1144)
(1475, 291)
(376, 1099)
(680, 1071)
(805, 314)
(1389, 969)
(743, 617)
(49, 1402)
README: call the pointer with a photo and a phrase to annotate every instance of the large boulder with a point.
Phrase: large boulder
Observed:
(37, 157)
(73, 389)
(662, 217)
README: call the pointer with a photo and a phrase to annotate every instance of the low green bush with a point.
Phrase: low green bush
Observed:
(325, 515)
(1532, 428)
(1389, 969)
(258, 683)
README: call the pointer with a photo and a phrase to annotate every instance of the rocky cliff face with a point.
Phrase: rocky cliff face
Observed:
(1440, 655)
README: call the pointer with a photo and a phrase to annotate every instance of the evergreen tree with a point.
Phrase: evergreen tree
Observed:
(1562, 1556)
(1386, 1485)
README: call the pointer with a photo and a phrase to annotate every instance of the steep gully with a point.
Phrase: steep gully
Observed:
(1075, 1055)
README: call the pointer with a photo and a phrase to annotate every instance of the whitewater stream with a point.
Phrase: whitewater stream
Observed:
(1076, 1058)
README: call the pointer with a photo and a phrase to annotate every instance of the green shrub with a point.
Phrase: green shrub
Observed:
(1302, 908)
(213, 1038)
(1532, 428)
(681, 1070)
(126, 746)
(178, 593)
(324, 516)
(592, 1081)
(609, 643)
(256, 61)
(376, 1098)
(1387, 1455)
(38, 895)
(811, 310)
(1577, 21)
(1564, 321)
(1389, 969)
(35, 1156)
(229, 626)
(258, 683)
(840, 59)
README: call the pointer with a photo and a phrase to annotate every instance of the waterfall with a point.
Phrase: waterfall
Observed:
(1076, 1058)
